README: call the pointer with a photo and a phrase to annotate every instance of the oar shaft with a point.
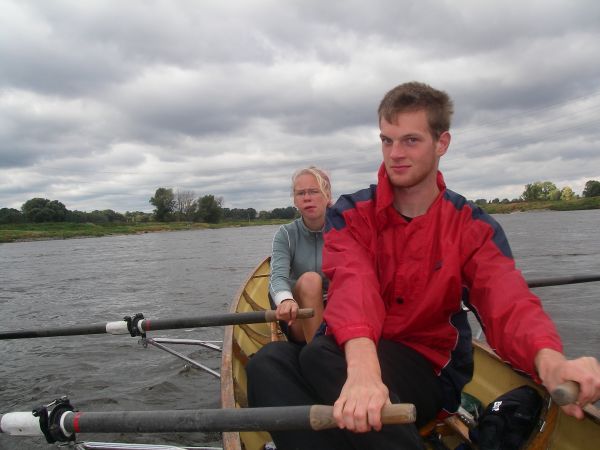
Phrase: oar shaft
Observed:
(557, 281)
(120, 327)
(99, 328)
(216, 320)
(183, 421)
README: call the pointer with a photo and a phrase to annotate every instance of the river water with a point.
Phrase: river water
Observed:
(193, 273)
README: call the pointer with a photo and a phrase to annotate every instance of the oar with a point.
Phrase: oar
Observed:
(315, 417)
(557, 281)
(566, 393)
(139, 325)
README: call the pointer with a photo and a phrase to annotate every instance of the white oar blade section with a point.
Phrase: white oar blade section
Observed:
(117, 327)
(20, 424)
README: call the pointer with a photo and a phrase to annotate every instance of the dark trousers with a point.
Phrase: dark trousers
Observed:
(286, 374)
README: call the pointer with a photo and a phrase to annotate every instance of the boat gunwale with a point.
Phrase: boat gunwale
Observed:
(591, 412)
(231, 440)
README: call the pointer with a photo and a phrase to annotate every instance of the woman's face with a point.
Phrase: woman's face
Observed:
(308, 198)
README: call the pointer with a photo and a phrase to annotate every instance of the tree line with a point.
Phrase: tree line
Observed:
(546, 190)
(182, 205)
(169, 206)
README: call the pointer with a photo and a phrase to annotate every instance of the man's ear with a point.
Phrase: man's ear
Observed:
(442, 143)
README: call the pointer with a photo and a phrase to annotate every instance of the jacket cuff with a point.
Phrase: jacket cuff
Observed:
(281, 296)
(344, 334)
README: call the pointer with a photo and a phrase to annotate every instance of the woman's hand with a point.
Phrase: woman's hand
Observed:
(287, 310)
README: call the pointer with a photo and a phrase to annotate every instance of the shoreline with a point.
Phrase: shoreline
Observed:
(31, 232)
(577, 204)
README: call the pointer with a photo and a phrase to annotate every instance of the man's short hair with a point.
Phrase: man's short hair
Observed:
(415, 96)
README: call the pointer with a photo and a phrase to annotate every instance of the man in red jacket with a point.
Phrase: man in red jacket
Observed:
(402, 257)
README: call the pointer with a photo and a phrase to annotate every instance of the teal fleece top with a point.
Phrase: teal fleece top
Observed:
(296, 250)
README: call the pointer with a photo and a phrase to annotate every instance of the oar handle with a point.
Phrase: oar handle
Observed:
(303, 313)
(321, 416)
(566, 393)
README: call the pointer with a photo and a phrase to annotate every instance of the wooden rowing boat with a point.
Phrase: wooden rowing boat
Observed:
(492, 378)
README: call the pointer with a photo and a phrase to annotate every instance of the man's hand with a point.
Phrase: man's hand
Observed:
(287, 310)
(358, 407)
(554, 369)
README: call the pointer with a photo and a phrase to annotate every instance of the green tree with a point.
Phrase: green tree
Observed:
(164, 204)
(550, 191)
(567, 193)
(137, 216)
(209, 209)
(592, 189)
(77, 217)
(555, 195)
(11, 215)
(44, 210)
(185, 205)
(540, 190)
(532, 192)
(239, 214)
(283, 213)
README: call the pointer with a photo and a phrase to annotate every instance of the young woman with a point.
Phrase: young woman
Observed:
(296, 277)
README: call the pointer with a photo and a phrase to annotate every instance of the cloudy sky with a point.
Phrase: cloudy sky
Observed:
(102, 102)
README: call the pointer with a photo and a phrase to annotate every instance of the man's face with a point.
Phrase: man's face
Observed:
(410, 153)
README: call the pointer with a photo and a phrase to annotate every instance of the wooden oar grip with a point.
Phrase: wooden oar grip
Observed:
(303, 313)
(398, 413)
(321, 416)
(566, 393)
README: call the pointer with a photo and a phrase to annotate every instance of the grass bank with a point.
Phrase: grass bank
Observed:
(67, 230)
(558, 205)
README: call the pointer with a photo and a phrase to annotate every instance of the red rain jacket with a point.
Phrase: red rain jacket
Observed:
(404, 281)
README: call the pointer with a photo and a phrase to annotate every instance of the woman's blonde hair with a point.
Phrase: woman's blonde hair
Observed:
(321, 177)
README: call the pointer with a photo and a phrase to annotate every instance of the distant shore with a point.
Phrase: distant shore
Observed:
(576, 204)
(68, 230)
(24, 232)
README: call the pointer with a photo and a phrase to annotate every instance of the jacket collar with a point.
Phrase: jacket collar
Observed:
(385, 192)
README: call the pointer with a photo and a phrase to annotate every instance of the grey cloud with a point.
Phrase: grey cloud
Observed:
(109, 100)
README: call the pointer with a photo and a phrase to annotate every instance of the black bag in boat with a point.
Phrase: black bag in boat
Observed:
(508, 421)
